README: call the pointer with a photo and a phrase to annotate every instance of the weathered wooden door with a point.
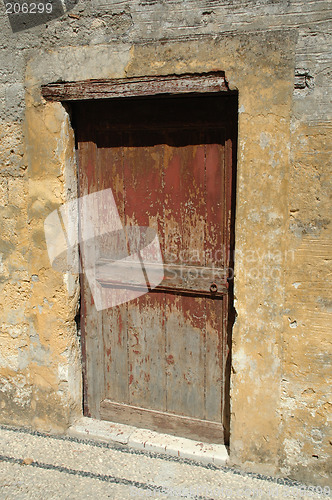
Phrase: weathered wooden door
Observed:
(159, 361)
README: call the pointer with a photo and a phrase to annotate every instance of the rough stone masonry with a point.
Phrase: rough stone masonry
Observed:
(277, 54)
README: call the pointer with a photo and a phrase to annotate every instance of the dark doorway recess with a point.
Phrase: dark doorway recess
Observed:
(162, 361)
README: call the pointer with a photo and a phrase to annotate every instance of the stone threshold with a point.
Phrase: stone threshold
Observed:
(150, 441)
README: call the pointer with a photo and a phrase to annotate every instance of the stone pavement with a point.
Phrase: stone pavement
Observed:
(37, 466)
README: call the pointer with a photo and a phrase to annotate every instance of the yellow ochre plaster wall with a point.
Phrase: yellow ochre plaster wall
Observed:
(282, 334)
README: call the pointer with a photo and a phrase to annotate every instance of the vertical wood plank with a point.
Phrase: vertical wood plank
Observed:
(229, 241)
(146, 340)
(215, 196)
(92, 319)
(185, 316)
(110, 174)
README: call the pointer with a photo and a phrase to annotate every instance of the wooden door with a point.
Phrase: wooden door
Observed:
(159, 361)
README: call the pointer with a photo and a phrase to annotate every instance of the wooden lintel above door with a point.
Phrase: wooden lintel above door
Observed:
(137, 86)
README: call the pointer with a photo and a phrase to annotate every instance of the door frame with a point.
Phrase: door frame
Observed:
(194, 84)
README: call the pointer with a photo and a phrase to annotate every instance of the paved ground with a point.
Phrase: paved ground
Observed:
(38, 466)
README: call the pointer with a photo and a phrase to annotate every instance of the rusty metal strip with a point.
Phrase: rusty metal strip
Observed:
(223, 290)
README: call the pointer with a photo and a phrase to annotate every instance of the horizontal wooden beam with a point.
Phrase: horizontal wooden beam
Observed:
(138, 86)
(193, 280)
(192, 428)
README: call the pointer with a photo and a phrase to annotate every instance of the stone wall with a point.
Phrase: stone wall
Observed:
(282, 335)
